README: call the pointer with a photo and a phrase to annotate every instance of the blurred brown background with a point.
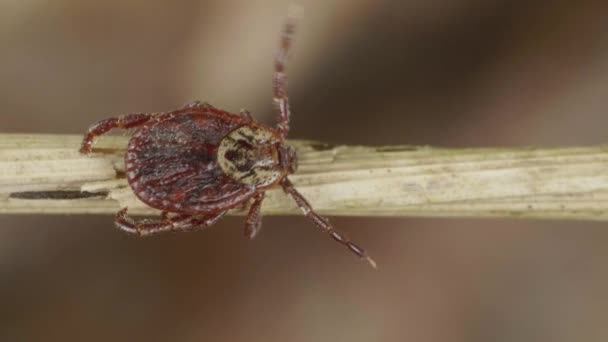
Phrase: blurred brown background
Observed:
(438, 72)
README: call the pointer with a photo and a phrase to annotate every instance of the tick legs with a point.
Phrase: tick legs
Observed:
(279, 80)
(323, 223)
(164, 224)
(103, 126)
(254, 219)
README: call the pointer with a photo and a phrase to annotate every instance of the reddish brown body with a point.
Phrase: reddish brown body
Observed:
(197, 162)
(171, 161)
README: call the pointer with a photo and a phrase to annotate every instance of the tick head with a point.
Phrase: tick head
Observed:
(251, 155)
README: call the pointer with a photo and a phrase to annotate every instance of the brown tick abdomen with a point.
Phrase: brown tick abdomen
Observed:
(171, 162)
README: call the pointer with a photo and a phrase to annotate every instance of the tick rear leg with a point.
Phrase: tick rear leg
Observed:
(201, 222)
(253, 222)
(279, 79)
(103, 126)
(147, 226)
(323, 223)
(164, 224)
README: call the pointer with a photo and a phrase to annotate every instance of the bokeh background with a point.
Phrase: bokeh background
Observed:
(437, 72)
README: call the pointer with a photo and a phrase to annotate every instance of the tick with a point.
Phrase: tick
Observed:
(197, 162)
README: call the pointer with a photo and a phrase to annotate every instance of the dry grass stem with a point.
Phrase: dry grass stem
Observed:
(43, 174)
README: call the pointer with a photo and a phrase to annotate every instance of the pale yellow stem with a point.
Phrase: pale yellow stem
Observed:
(46, 174)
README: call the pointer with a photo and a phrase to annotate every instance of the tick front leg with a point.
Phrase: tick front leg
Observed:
(164, 224)
(103, 126)
(254, 218)
(323, 223)
(279, 79)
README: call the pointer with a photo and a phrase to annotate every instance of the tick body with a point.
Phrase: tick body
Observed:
(197, 162)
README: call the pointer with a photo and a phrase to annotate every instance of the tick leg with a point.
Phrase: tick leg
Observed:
(254, 219)
(279, 79)
(103, 126)
(164, 224)
(200, 222)
(148, 226)
(323, 223)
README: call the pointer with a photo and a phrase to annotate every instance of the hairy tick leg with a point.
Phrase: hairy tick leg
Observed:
(323, 223)
(165, 224)
(148, 226)
(279, 79)
(253, 223)
(103, 126)
(202, 221)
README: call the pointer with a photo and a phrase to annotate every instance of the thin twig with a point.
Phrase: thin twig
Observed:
(46, 174)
